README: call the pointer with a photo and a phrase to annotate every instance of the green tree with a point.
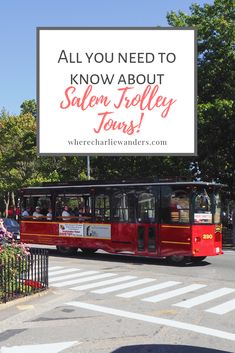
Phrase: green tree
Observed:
(21, 166)
(4, 113)
(29, 106)
(62, 169)
(17, 154)
(216, 91)
(138, 167)
(216, 86)
(216, 124)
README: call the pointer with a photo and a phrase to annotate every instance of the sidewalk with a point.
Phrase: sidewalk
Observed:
(25, 308)
(228, 247)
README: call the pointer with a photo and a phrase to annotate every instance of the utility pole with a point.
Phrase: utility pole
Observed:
(88, 168)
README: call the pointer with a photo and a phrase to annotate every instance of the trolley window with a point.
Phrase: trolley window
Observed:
(175, 204)
(146, 207)
(40, 202)
(217, 205)
(123, 205)
(102, 207)
(73, 206)
(202, 202)
(207, 206)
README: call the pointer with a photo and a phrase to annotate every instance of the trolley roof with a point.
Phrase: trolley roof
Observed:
(113, 183)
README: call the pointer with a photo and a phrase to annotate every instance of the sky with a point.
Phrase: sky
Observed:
(19, 19)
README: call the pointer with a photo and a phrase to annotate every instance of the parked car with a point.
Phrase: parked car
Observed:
(12, 226)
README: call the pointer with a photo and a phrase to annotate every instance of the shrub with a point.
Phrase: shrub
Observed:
(14, 262)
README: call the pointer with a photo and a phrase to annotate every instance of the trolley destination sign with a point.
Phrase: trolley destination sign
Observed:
(116, 91)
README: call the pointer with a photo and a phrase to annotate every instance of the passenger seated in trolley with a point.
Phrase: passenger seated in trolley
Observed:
(26, 212)
(66, 216)
(37, 213)
(84, 212)
(49, 214)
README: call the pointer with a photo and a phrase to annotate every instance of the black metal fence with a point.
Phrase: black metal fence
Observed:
(23, 276)
(227, 236)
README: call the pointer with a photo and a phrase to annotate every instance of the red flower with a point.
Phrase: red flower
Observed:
(34, 284)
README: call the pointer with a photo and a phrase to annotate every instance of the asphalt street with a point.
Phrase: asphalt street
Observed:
(122, 304)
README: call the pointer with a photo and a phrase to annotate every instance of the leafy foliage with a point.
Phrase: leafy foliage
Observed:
(13, 263)
(20, 165)
(216, 86)
(17, 151)
(29, 106)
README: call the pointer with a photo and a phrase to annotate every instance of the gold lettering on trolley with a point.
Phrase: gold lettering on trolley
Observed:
(207, 236)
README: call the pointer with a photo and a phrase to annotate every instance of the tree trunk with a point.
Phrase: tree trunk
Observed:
(13, 202)
(6, 201)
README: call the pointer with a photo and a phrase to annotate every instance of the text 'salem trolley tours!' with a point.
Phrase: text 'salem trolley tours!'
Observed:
(177, 220)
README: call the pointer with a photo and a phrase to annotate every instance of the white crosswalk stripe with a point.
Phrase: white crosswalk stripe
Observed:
(52, 268)
(223, 308)
(102, 283)
(38, 348)
(82, 280)
(72, 275)
(122, 286)
(153, 320)
(149, 289)
(174, 293)
(58, 272)
(205, 298)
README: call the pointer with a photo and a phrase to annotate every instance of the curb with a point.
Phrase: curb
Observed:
(229, 249)
(228, 246)
(24, 299)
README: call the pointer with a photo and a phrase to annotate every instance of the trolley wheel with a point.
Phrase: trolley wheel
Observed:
(66, 250)
(88, 251)
(176, 259)
(197, 259)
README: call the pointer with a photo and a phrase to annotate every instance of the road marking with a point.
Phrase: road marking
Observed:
(223, 308)
(149, 289)
(52, 268)
(73, 275)
(125, 285)
(39, 348)
(59, 278)
(82, 280)
(58, 272)
(102, 283)
(204, 298)
(174, 293)
(155, 320)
